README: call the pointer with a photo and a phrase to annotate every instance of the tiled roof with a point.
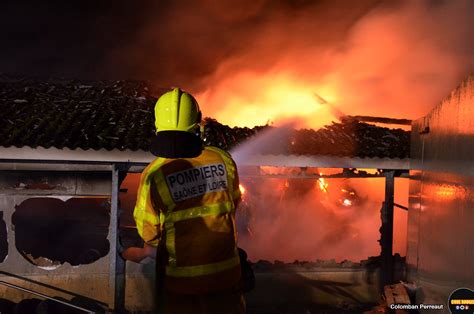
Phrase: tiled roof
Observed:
(119, 115)
(349, 138)
(62, 113)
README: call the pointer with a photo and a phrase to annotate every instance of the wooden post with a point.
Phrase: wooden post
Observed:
(386, 231)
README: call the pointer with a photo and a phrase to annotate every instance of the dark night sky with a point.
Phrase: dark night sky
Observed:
(168, 42)
(64, 38)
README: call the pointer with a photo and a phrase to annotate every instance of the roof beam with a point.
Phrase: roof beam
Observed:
(316, 161)
(137, 160)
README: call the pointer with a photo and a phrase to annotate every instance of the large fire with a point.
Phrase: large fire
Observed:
(391, 62)
(268, 98)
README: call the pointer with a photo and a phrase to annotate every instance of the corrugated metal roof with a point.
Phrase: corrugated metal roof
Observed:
(118, 115)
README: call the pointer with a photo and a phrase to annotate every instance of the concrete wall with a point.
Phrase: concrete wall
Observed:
(440, 250)
(89, 280)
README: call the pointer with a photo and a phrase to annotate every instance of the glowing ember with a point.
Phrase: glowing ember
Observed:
(347, 202)
(346, 191)
(242, 189)
(323, 185)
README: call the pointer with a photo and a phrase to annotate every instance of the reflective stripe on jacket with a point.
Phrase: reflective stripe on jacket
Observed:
(191, 201)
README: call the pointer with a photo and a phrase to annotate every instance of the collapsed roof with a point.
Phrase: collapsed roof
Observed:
(119, 116)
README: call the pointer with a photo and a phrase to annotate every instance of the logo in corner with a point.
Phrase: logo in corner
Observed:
(461, 301)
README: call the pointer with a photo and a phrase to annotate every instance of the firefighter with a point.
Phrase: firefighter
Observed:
(185, 213)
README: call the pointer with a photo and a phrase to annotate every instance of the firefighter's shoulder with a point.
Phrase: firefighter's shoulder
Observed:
(218, 150)
(154, 165)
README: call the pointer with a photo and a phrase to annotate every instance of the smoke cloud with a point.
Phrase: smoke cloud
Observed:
(306, 219)
(253, 61)
(250, 61)
(395, 61)
(290, 220)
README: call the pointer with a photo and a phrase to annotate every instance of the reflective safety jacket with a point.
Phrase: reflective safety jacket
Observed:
(188, 204)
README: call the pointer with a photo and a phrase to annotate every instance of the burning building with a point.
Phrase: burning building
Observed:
(67, 146)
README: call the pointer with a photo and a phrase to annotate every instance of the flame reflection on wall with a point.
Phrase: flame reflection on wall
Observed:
(445, 192)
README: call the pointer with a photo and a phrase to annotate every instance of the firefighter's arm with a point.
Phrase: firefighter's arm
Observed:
(146, 218)
(147, 221)
(138, 254)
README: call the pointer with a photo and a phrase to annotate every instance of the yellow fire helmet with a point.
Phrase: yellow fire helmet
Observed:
(177, 110)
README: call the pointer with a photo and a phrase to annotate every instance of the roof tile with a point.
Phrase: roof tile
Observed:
(119, 115)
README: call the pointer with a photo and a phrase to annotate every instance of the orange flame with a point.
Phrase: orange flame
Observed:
(288, 70)
(242, 189)
(323, 185)
(278, 97)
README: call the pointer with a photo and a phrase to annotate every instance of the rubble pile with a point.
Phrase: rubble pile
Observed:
(267, 266)
(119, 115)
(370, 264)
(264, 266)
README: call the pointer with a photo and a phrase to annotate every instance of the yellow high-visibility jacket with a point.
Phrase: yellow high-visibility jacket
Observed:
(189, 205)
